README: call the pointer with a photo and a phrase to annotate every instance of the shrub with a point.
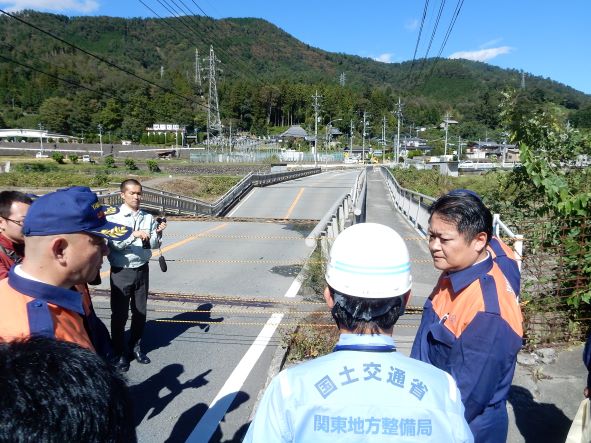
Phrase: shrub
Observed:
(35, 167)
(109, 161)
(130, 164)
(58, 157)
(153, 166)
(73, 158)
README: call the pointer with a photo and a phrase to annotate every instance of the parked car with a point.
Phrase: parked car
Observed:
(41, 155)
(87, 159)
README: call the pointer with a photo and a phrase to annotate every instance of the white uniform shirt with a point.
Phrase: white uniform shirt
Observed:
(130, 253)
(361, 395)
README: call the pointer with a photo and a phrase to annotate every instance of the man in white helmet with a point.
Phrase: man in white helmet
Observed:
(364, 390)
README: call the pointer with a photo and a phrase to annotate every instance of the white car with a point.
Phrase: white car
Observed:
(41, 155)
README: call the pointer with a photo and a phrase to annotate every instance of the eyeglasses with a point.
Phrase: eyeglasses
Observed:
(18, 223)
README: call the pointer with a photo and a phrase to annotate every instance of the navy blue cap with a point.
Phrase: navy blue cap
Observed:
(71, 210)
(460, 192)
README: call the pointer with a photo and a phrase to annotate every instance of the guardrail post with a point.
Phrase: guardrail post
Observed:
(324, 249)
(496, 228)
(518, 248)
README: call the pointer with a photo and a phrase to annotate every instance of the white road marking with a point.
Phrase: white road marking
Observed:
(222, 401)
(231, 213)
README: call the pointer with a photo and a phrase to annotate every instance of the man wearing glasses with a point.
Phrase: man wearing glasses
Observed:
(13, 208)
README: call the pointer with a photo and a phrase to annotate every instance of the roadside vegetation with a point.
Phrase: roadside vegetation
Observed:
(34, 174)
(548, 201)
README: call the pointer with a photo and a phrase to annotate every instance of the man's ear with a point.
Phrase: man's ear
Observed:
(328, 297)
(479, 242)
(58, 248)
(3, 223)
(406, 298)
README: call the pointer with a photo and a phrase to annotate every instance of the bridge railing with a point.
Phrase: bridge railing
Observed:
(338, 217)
(414, 206)
(169, 203)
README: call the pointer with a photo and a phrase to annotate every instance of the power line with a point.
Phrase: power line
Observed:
(102, 59)
(419, 36)
(435, 26)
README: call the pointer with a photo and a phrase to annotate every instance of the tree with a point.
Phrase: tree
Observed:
(73, 158)
(55, 113)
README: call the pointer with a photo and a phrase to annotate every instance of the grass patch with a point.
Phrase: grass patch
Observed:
(57, 179)
(208, 188)
(310, 341)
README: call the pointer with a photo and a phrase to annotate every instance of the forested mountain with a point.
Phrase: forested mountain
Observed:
(267, 79)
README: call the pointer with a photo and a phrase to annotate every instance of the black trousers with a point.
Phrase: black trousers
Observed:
(129, 287)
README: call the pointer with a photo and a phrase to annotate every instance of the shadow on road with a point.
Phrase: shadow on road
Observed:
(537, 422)
(189, 419)
(161, 334)
(146, 395)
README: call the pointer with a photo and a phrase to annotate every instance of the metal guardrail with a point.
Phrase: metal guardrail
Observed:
(175, 204)
(338, 217)
(414, 206)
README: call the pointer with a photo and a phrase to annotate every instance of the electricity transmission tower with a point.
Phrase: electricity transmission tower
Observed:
(214, 123)
(342, 79)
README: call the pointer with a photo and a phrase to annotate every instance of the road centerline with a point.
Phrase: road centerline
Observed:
(294, 203)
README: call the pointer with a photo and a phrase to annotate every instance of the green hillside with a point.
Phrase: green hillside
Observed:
(267, 79)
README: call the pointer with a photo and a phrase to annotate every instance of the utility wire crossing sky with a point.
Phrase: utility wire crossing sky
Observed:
(543, 38)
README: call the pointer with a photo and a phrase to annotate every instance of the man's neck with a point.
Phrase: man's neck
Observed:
(32, 272)
(368, 331)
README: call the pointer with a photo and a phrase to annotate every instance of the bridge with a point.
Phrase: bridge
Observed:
(219, 318)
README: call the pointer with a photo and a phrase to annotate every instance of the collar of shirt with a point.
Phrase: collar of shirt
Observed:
(126, 211)
(461, 279)
(365, 340)
(25, 284)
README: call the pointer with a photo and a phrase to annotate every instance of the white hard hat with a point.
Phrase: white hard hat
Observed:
(369, 260)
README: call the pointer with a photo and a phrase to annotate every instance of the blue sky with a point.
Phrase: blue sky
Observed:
(542, 37)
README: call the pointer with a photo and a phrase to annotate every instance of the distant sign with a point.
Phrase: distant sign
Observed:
(165, 127)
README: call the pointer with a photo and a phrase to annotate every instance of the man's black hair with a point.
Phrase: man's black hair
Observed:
(7, 198)
(365, 315)
(56, 391)
(129, 181)
(465, 210)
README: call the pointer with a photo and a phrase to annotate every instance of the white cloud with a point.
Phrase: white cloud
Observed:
(386, 57)
(482, 55)
(411, 25)
(491, 43)
(84, 6)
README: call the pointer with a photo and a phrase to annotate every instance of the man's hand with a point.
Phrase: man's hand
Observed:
(161, 225)
(141, 234)
(586, 392)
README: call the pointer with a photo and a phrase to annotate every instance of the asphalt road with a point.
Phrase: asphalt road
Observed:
(208, 366)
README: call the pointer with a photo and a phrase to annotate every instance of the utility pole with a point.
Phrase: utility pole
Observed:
(399, 118)
(316, 97)
(214, 122)
(351, 140)
(198, 72)
(41, 137)
(383, 139)
(365, 126)
(161, 71)
(100, 129)
(446, 121)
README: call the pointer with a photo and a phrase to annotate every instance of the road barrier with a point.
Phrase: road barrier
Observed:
(338, 216)
(173, 204)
